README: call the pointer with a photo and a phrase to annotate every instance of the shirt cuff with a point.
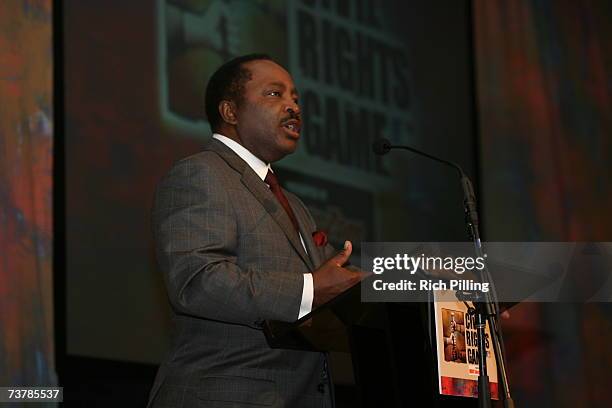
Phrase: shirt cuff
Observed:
(307, 296)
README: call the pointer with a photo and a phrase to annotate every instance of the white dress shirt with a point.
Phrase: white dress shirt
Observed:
(261, 169)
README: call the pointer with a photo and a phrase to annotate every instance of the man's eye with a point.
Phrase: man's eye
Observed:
(274, 93)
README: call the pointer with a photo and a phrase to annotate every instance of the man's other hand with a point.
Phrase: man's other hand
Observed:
(331, 278)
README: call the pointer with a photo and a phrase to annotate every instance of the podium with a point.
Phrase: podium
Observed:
(392, 347)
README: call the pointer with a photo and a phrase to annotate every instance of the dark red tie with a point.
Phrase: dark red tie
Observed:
(278, 192)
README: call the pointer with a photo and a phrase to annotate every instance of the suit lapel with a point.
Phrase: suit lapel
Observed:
(313, 251)
(262, 193)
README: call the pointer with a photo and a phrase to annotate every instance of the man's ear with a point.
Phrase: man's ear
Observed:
(227, 110)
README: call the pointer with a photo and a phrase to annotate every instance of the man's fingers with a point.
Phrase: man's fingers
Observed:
(343, 255)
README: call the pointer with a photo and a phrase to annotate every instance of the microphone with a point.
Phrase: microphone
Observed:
(382, 146)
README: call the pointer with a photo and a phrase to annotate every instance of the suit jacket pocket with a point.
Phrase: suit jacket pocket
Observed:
(245, 390)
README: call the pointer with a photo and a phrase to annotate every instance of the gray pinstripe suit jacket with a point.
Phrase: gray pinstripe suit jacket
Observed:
(231, 259)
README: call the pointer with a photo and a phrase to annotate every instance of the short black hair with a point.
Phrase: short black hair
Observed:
(227, 83)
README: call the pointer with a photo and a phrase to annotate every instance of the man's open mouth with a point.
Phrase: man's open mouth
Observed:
(293, 125)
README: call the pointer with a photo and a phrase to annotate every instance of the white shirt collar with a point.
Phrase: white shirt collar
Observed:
(259, 167)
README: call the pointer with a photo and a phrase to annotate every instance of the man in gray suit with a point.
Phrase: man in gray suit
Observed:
(235, 249)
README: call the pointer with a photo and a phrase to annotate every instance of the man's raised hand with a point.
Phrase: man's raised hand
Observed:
(332, 278)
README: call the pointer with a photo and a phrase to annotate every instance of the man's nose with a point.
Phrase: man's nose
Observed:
(293, 109)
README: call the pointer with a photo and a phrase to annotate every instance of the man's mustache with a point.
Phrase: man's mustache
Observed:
(292, 116)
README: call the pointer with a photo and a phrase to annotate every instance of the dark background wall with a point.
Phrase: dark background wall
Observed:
(544, 104)
(26, 233)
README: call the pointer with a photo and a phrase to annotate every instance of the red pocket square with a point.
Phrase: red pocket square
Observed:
(320, 238)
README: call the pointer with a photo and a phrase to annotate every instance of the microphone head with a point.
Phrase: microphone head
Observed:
(381, 146)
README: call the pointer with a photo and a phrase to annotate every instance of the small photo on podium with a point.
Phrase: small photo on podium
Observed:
(453, 327)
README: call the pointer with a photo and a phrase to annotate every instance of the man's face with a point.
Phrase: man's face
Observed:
(268, 119)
